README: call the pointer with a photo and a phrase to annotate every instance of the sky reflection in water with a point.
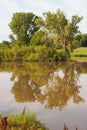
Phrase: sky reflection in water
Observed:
(57, 92)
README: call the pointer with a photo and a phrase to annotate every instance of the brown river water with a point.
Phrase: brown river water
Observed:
(56, 92)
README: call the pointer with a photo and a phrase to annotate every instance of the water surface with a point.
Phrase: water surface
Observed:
(57, 92)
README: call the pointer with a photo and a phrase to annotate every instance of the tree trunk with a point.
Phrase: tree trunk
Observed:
(64, 47)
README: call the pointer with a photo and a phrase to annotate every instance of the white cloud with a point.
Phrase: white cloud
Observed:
(70, 7)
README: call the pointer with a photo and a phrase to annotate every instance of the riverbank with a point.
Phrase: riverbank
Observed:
(79, 54)
(41, 54)
(21, 121)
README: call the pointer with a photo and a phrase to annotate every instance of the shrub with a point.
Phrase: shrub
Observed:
(22, 121)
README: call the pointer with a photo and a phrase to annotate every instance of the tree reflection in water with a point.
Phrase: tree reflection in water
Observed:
(51, 83)
(62, 86)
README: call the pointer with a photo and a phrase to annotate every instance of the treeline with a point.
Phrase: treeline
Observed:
(30, 53)
(51, 37)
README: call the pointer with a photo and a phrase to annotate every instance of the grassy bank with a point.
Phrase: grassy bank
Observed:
(21, 122)
(79, 54)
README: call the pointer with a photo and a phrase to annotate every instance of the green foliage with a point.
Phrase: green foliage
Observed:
(36, 38)
(11, 37)
(22, 26)
(26, 121)
(0, 116)
(32, 53)
(4, 45)
(59, 27)
(17, 44)
(49, 38)
(83, 40)
(60, 56)
(22, 118)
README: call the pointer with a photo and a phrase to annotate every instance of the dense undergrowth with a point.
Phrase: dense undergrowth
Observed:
(30, 53)
(21, 122)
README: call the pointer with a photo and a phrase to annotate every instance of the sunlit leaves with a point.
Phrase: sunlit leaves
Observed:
(22, 26)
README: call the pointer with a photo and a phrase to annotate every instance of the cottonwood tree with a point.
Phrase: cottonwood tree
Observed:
(59, 27)
(23, 26)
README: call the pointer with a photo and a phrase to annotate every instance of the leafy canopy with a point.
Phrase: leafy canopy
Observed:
(23, 26)
(59, 27)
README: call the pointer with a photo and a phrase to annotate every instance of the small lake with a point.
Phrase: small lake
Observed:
(57, 92)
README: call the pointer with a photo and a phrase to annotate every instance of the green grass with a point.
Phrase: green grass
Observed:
(24, 122)
(79, 54)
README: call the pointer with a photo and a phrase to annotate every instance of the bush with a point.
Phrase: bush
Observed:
(84, 43)
(32, 53)
(23, 122)
(36, 38)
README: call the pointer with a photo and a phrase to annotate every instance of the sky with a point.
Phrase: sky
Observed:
(38, 7)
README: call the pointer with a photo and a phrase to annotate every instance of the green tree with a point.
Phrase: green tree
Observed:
(4, 45)
(41, 38)
(11, 37)
(36, 38)
(58, 26)
(83, 40)
(23, 26)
